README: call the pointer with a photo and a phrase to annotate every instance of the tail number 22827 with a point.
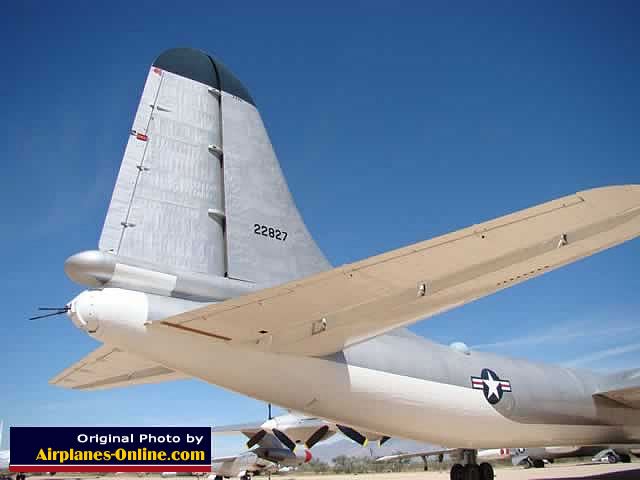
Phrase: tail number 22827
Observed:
(271, 232)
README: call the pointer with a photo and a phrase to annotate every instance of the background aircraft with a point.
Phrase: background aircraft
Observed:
(5, 461)
(295, 428)
(243, 466)
(535, 457)
(276, 447)
(456, 454)
(5, 457)
(204, 249)
(529, 457)
(268, 457)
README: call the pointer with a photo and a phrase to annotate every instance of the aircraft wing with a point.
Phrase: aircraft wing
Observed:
(623, 387)
(629, 396)
(327, 312)
(456, 453)
(430, 453)
(231, 458)
(247, 429)
(108, 367)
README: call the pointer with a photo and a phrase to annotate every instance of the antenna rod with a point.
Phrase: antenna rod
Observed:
(57, 311)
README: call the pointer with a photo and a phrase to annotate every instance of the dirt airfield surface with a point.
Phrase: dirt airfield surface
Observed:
(562, 471)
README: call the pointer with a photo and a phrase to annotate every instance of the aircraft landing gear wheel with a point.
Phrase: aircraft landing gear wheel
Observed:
(538, 463)
(457, 472)
(486, 471)
(625, 458)
(611, 458)
(472, 472)
(218, 477)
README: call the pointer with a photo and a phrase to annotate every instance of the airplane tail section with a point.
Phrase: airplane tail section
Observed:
(167, 207)
(200, 189)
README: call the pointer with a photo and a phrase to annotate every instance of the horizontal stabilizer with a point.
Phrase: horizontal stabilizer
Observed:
(327, 312)
(109, 367)
(623, 388)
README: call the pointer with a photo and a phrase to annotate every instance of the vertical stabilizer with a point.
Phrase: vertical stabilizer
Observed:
(200, 188)
(169, 181)
(268, 241)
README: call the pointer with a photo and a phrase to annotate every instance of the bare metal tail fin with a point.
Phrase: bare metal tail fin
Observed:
(200, 192)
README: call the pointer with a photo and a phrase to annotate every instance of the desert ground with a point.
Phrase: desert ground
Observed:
(582, 471)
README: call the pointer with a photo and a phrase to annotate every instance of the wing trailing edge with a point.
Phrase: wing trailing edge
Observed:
(110, 367)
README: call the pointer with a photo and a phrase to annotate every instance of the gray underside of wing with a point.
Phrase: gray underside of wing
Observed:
(431, 453)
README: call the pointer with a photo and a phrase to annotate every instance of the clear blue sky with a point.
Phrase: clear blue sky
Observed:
(394, 122)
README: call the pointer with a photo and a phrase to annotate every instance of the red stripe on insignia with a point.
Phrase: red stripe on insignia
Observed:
(142, 136)
(157, 70)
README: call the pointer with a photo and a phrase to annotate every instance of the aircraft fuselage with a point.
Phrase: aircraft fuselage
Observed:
(396, 384)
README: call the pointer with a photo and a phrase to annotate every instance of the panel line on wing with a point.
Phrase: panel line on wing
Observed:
(195, 330)
(474, 230)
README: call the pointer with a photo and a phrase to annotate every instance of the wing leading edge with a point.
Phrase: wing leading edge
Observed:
(248, 429)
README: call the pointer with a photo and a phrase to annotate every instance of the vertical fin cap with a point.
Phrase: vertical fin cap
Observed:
(203, 68)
